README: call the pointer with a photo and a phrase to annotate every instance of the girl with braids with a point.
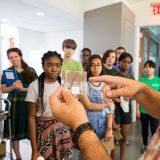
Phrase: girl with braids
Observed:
(19, 113)
(49, 138)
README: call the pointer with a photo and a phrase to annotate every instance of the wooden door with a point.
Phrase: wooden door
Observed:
(144, 50)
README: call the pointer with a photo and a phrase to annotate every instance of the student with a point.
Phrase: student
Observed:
(19, 112)
(74, 117)
(122, 116)
(146, 119)
(49, 137)
(85, 55)
(99, 115)
(69, 46)
(119, 51)
(109, 58)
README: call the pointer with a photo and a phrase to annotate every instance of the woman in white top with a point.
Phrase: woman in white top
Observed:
(49, 137)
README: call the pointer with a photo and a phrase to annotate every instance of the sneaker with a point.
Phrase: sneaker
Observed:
(117, 143)
(127, 142)
(143, 149)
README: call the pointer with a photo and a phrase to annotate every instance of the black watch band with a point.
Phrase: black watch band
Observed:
(80, 129)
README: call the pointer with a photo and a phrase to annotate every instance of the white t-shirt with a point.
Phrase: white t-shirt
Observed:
(32, 96)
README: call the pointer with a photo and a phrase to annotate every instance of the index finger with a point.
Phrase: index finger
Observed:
(109, 79)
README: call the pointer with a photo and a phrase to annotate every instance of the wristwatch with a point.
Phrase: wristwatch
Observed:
(80, 129)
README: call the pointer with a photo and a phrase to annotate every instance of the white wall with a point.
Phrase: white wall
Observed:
(28, 41)
(53, 41)
(7, 32)
(144, 15)
(0, 69)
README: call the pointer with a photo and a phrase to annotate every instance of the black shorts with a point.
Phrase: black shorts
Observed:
(120, 116)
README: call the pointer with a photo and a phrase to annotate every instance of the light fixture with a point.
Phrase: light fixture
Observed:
(4, 20)
(40, 14)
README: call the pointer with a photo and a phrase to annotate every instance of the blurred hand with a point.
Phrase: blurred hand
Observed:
(18, 85)
(138, 114)
(118, 86)
(108, 134)
(67, 109)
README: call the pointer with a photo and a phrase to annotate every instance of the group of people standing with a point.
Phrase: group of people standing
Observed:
(31, 116)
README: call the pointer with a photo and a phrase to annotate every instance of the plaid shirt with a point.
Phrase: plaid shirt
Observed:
(153, 151)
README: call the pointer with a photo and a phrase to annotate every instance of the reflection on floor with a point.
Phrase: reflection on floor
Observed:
(132, 153)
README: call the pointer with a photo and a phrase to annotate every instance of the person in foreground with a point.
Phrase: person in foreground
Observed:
(49, 138)
(64, 106)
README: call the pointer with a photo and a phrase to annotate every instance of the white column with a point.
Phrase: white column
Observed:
(0, 65)
(0, 49)
(136, 51)
(136, 65)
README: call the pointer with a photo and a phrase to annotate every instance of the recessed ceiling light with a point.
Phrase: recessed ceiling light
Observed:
(4, 20)
(40, 14)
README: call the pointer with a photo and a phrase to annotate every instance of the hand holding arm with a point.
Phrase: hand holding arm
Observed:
(18, 85)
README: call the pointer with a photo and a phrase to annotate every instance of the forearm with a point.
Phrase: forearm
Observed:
(95, 106)
(109, 121)
(91, 147)
(24, 89)
(149, 99)
(137, 107)
(88, 105)
(32, 132)
(6, 89)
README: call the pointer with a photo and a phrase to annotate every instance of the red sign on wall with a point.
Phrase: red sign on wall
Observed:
(156, 9)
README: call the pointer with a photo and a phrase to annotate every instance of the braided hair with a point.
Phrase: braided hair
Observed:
(42, 77)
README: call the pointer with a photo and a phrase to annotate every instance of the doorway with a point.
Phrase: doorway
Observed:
(150, 47)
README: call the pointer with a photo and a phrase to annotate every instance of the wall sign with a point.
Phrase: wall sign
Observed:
(156, 9)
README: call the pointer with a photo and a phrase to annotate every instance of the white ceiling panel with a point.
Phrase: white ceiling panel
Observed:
(21, 13)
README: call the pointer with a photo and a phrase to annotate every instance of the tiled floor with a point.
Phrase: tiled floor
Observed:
(132, 153)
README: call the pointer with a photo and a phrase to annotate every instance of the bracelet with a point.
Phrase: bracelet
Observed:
(80, 129)
(109, 129)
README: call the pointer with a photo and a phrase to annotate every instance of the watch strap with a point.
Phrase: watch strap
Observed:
(80, 129)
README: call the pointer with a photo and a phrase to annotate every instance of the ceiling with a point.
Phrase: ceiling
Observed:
(21, 13)
(60, 15)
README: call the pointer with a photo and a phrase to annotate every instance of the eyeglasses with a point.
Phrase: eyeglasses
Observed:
(68, 47)
(96, 65)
